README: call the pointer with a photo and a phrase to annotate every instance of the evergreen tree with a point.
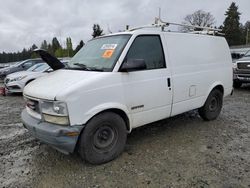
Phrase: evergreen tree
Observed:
(97, 31)
(69, 47)
(55, 45)
(79, 46)
(231, 26)
(44, 45)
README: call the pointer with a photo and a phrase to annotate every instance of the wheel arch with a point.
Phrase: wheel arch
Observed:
(118, 109)
(29, 81)
(216, 85)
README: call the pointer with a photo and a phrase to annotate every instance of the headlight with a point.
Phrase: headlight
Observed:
(60, 120)
(234, 65)
(55, 112)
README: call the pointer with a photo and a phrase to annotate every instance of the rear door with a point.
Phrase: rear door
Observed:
(148, 92)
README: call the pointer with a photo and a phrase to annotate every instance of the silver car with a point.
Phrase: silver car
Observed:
(15, 82)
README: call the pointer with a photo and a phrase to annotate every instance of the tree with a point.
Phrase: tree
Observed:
(55, 45)
(69, 47)
(231, 25)
(246, 33)
(199, 18)
(97, 31)
(44, 45)
(79, 46)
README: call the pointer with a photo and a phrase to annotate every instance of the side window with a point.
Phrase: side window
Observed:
(27, 65)
(149, 48)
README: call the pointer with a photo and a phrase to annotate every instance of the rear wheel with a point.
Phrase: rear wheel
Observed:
(237, 84)
(103, 138)
(212, 106)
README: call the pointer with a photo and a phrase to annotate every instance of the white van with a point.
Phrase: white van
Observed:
(121, 81)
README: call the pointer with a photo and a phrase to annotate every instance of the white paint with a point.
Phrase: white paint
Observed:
(195, 64)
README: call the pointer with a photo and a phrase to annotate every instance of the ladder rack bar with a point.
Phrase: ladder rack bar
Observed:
(161, 23)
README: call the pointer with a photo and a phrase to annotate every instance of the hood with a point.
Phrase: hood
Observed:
(52, 61)
(54, 83)
(21, 73)
(6, 69)
(243, 59)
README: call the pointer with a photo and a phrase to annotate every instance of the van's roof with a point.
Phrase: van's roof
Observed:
(149, 31)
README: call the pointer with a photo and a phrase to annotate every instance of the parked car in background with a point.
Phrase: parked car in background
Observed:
(19, 66)
(236, 56)
(241, 69)
(3, 65)
(15, 82)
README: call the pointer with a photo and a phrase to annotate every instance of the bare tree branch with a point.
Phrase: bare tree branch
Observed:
(198, 18)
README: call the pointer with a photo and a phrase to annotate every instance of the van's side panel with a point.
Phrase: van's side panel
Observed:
(146, 92)
(199, 62)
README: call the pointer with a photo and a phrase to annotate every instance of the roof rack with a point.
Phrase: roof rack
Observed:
(161, 24)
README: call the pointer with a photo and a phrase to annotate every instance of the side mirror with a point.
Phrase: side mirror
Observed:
(133, 65)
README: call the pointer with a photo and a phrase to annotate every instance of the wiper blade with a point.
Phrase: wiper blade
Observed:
(95, 69)
(84, 67)
(80, 65)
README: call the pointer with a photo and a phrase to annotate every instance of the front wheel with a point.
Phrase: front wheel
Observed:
(103, 138)
(212, 106)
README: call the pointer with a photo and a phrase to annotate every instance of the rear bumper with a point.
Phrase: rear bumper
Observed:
(52, 134)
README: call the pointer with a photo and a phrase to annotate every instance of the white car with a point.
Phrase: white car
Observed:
(121, 81)
(15, 82)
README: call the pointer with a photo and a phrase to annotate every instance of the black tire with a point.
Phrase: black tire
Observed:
(237, 84)
(103, 138)
(213, 105)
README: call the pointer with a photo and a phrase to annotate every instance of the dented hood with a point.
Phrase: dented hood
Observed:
(49, 86)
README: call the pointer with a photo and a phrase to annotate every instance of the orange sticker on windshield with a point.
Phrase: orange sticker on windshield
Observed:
(107, 53)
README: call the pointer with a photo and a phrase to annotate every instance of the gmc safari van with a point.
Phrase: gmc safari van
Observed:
(121, 81)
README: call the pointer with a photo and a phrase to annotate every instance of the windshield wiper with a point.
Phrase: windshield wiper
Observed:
(84, 67)
(95, 69)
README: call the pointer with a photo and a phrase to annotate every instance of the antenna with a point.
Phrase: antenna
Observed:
(159, 12)
(108, 28)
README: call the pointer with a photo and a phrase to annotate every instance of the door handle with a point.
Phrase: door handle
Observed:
(169, 83)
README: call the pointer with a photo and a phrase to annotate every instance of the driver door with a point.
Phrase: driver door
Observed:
(148, 92)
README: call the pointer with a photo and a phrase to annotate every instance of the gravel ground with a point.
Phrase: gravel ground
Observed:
(183, 151)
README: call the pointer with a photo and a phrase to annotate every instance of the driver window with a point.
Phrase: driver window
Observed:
(27, 65)
(149, 48)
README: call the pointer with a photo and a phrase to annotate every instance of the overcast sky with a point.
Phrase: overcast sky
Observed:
(24, 22)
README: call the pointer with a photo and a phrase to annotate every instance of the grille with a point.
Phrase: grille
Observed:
(33, 105)
(245, 66)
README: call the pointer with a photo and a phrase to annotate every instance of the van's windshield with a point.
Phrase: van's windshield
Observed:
(247, 54)
(99, 54)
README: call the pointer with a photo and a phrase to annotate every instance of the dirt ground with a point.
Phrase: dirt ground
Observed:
(183, 151)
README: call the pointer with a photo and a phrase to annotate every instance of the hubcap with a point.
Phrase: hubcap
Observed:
(213, 104)
(104, 137)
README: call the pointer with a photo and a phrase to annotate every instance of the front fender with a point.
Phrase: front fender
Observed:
(106, 106)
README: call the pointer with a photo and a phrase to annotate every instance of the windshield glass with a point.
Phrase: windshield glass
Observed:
(41, 68)
(247, 54)
(99, 54)
(35, 66)
(18, 63)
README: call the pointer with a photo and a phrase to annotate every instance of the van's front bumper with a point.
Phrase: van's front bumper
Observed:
(62, 138)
